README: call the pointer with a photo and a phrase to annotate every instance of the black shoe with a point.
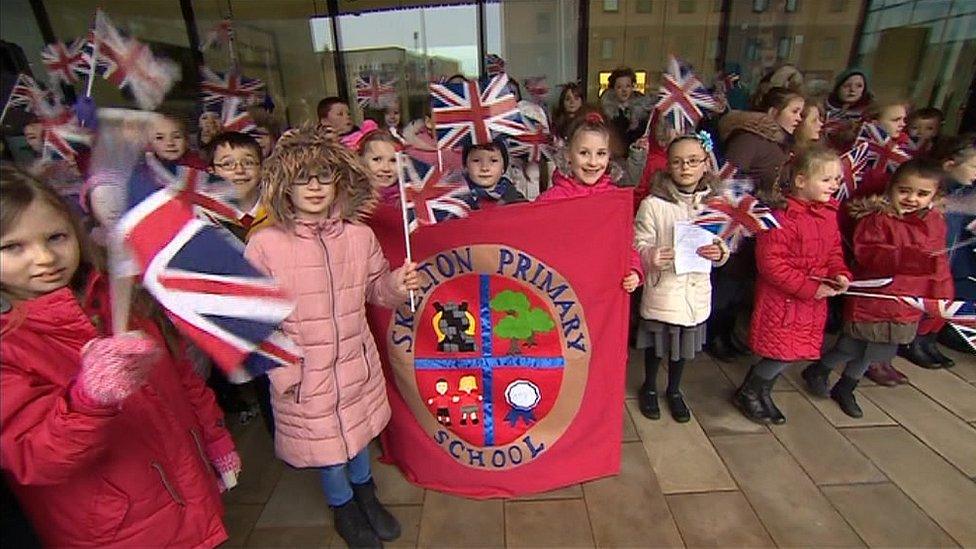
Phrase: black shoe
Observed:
(385, 525)
(748, 399)
(766, 398)
(915, 353)
(931, 348)
(817, 377)
(679, 410)
(843, 393)
(647, 402)
(353, 526)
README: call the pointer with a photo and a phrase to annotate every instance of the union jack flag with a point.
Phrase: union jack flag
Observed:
(431, 195)
(211, 197)
(734, 219)
(373, 92)
(958, 312)
(884, 151)
(682, 97)
(534, 144)
(494, 65)
(852, 166)
(216, 87)
(131, 64)
(473, 112)
(222, 33)
(967, 334)
(26, 93)
(64, 138)
(235, 118)
(214, 296)
(65, 62)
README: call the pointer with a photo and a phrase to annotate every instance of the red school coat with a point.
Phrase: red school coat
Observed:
(135, 475)
(787, 322)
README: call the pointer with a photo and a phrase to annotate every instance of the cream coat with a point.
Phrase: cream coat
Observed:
(330, 407)
(684, 300)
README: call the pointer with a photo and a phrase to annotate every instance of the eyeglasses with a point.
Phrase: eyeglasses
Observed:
(321, 179)
(247, 163)
(690, 162)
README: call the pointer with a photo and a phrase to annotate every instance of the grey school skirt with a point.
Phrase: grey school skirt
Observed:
(670, 340)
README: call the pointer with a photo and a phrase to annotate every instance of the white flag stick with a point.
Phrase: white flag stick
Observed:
(91, 69)
(406, 222)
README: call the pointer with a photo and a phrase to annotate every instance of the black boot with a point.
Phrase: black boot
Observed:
(679, 410)
(817, 377)
(748, 398)
(385, 525)
(843, 393)
(647, 402)
(931, 347)
(353, 527)
(915, 353)
(719, 350)
(766, 398)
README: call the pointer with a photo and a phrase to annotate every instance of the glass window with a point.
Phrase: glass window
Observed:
(606, 50)
(643, 6)
(686, 6)
(611, 5)
(157, 23)
(784, 48)
(279, 46)
(760, 6)
(790, 6)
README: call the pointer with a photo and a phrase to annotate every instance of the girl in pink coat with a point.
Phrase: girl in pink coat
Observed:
(328, 408)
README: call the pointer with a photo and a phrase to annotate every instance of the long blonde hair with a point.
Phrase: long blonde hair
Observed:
(307, 152)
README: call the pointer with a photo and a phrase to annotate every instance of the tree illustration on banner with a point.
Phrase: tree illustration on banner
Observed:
(522, 321)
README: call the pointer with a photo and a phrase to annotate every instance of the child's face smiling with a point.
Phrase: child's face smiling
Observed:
(313, 197)
(485, 167)
(241, 168)
(167, 140)
(40, 254)
(820, 184)
(380, 160)
(589, 156)
(913, 193)
(572, 102)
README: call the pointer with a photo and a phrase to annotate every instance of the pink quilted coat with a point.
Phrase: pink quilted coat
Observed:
(330, 407)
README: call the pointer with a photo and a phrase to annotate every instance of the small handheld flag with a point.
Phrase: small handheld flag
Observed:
(852, 164)
(431, 196)
(130, 64)
(734, 219)
(474, 112)
(371, 92)
(682, 97)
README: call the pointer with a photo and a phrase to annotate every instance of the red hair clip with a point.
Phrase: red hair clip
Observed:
(593, 117)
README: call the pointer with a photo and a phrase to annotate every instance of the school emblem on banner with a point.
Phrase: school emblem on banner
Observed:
(509, 377)
(500, 352)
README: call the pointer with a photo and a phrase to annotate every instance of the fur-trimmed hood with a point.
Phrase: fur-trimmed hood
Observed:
(862, 207)
(758, 123)
(664, 188)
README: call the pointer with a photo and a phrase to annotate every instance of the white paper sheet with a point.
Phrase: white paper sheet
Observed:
(688, 237)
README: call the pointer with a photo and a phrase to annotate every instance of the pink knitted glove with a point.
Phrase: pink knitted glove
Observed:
(228, 466)
(112, 368)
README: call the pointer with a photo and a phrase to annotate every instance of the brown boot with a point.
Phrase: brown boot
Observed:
(882, 374)
(899, 377)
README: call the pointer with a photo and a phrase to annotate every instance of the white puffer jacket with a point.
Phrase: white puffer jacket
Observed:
(684, 300)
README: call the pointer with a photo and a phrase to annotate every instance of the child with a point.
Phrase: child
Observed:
(924, 126)
(628, 110)
(568, 106)
(811, 123)
(167, 141)
(106, 440)
(800, 264)
(891, 118)
(237, 158)
(334, 113)
(209, 125)
(328, 408)
(899, 235)
(267, 129)
(484, 169)
(378, 151)
(648, 157)
(588, 159)
(391, 118)
(845, 107)
(673, 307)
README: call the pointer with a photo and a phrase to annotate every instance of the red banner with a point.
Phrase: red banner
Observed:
(509, 377)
